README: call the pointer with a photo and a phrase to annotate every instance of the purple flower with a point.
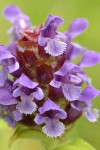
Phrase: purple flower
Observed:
(50, 113)
(77, 26)
(84, 103)
(28, 92)
(7, 105)
(11, 116)
(6, 97)
(17, 18)
(53, 41)
(17, 115)
(90, 58)
(26, 106)
(9, 64)
(69, 77)
(74, 50)
(20, 22)
(72, 114)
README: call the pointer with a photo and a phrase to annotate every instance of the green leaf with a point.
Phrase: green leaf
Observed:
(15, 134)
(76, 145)
(46, 143)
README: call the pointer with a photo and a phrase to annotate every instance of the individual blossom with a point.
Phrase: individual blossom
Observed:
(8, 105)
(90, 57)
(77, 26)
(17, 18)
(50, 113)
(28, 92)
(19, 21)
(8, 64)
(53, 41)
(84, 103)
(70, 78)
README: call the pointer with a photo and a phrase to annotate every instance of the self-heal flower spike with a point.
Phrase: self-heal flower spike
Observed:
(39, 83)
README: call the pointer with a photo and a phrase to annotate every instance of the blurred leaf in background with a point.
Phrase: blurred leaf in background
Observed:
(68, 9)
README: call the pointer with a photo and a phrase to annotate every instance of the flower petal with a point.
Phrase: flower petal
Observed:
(4, 54)
(13, 67)
(17, 92)
(6, 98)
(50, 105)
(67, 66)
(39, 119)
(77, 26)
(53, 128)
(42, 40)
(38, 94)
(72, 114)
(76, 51)
(53, 21)
(25, 81)
(74, 79)
(55, 47)
(71, 92)
(55, 83)
(91, 114)
(51, 25)
(79, 105)
(26, 107)
(11, 12)
(10, 120)
(17, 115)
(8, 59)
(89, 59)
(89, 94)
(3, 76)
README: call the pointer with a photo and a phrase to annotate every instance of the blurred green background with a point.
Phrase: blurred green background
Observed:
(68, 9)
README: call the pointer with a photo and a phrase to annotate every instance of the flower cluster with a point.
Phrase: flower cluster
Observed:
(39, 83)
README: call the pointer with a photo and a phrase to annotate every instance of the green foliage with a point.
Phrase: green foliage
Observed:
(47, 143)
(76, 145)
(35, 134)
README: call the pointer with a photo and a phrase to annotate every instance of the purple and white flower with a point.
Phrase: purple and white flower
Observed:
(84, 103)
(53, 41)
(7, 105)
(17, 18)
(28, 92)
(50, 113)
(70, 78)
(8, 63)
